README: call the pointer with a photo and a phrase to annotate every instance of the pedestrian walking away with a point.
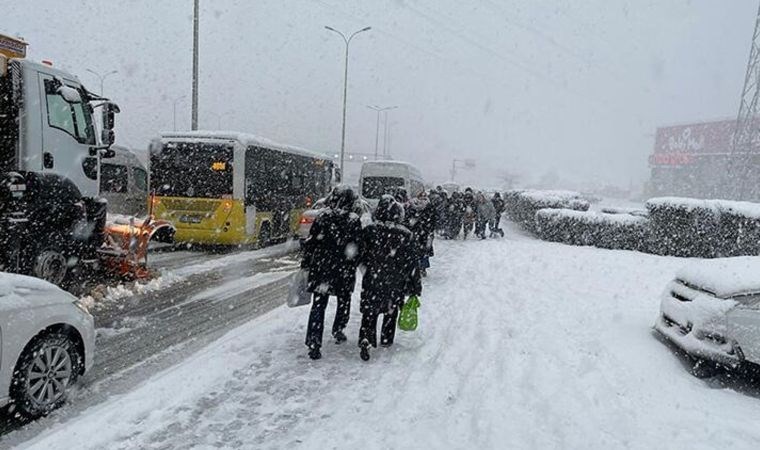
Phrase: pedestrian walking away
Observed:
(388, 253)
(421, 221)
(331, 254)
(485, 215)
(498, 206)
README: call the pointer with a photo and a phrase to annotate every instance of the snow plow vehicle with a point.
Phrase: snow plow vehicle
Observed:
(53, 222)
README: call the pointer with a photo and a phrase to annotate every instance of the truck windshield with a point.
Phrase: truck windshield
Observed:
(376, 187)
(196, 170)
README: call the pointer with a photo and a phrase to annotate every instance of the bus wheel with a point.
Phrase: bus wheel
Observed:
(265, 235)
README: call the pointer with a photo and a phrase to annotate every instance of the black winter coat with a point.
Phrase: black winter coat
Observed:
(421, 221)
(331, 252)
(498, 205)
(392, 269)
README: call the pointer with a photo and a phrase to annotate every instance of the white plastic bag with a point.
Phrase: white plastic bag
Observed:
(297, 294)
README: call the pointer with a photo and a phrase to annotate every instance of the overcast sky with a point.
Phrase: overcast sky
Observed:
(528, 86)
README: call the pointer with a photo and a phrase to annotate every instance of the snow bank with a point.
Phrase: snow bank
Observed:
(612, 231)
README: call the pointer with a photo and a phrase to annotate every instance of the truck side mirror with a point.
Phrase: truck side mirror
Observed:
(109, 115)
(107, 137)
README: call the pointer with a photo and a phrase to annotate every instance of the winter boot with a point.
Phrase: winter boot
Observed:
(364, 350)
(314, 352)
(340, 337)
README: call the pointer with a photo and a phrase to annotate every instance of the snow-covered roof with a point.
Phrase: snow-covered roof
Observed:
(246, 139)
(724, 277)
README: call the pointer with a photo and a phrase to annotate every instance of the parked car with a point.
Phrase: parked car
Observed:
(47, 343)
(310, 215)
(711, 311)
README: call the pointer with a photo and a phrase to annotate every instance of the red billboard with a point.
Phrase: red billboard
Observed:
(698, 138)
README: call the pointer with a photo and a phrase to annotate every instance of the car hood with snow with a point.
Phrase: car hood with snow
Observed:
(23, 292)
(724, 277)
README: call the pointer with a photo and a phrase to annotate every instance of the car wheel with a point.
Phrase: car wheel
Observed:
(51, 266)
(44, 374)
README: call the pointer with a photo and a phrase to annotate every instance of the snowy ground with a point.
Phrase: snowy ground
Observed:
(522, 344)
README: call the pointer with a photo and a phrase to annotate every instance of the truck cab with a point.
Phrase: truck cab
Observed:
(48, 141)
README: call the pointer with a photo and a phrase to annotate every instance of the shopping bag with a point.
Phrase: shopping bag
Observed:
(297, 294)
(407, 319)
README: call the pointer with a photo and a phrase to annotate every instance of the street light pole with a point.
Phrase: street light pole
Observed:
(377, 130)
(347, 40)
(102, 77)
(196, 20)
(174, 109)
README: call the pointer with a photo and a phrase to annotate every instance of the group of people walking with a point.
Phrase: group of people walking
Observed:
(463, 213)
(394, 251)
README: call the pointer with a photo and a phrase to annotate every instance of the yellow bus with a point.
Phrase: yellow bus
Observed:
(225, 188)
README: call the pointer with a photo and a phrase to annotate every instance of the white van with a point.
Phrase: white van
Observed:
(378, 178)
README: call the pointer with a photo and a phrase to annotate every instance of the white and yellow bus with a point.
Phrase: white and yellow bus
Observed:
(224, 188)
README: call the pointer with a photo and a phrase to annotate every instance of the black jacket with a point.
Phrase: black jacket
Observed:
(331, 252)
(391, 261)
(421, 221)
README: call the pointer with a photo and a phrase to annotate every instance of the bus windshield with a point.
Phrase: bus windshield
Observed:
(375, 187)
(196, 170)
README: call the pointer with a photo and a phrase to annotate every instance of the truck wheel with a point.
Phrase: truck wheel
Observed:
(51, 266)
(48, 367)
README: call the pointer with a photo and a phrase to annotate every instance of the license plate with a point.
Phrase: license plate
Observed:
(190, 219)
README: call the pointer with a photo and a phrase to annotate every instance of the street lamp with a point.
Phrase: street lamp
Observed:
(377, 131)
(174, 110)
(347, 40)
(387, 140)
(102, 77)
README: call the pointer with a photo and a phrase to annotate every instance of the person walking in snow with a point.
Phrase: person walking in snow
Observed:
(470, 212)
(330, 253)
(485, 215)
(498, 206)
(454, 215)
(391, 273)
(421, 221)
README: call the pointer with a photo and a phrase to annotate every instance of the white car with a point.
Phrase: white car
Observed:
(47, 339)
(712, 311)
(310, 215)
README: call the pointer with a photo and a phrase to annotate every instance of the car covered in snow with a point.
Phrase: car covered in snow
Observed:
(711, 311)
(310, 215)
(47, 339)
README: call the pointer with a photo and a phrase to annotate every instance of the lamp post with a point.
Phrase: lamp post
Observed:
(219, 118)
(347, 40)
(102, 77)
(196, 21)
(174, 110)
(377, 131)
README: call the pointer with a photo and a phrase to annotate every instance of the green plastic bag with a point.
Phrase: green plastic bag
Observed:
(407, 319)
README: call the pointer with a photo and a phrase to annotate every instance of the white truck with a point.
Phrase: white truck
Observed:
(52, 219)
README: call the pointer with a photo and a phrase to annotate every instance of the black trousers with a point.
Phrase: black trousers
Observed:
(368, 328)
(315, 328)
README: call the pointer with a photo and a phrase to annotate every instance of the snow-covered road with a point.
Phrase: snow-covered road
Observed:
(522, 344)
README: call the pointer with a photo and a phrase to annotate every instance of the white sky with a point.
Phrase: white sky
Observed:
(528, 86)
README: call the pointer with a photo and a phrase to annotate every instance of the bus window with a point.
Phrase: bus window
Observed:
(195, 170)
(114, 178)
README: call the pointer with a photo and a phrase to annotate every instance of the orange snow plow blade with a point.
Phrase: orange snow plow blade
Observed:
(125, 253)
